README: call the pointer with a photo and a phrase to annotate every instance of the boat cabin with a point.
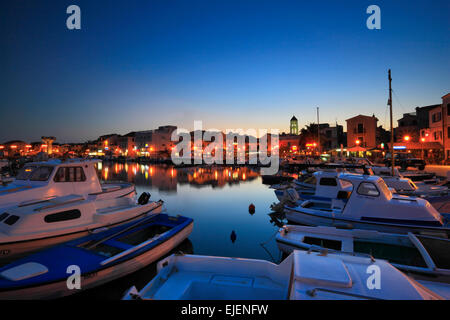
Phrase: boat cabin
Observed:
(54, 178)
(371, 200)
(65, 215)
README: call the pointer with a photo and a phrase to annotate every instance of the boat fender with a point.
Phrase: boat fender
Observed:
(144, 197)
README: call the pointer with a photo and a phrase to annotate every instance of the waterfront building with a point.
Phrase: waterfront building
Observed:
(362, 132)
(155, 142)
(289, 143)
(127, 145)
(407, 128)
(14, 147)
(431, 124)
(446, 124)
(331, 137)
(423, 115)
(108, 143)
(439, 126)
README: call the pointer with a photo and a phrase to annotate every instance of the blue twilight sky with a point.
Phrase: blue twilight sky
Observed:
(135, 65)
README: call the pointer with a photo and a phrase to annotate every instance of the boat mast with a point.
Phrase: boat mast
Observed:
(318, 131)
(392, 126)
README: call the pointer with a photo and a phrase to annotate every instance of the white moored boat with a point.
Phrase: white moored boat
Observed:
(422, 257)
(370, 205)
(41, 224)
(301, 276)
(323, 185)
(406, 186)
(56, 178)
(397, 183)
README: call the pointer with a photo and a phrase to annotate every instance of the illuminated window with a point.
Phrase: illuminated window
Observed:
(70, 174)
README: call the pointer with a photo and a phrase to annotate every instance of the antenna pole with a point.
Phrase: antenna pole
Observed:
(318, 131)
(392, 125)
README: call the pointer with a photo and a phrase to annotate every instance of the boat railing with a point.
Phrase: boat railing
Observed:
(150, 215)
(133, 249)
(36, 201)
(325, 251)
(59, 204)
(426, 256)
(313, 292)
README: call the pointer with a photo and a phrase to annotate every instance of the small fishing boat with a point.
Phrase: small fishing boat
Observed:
(323, 185)
(100, 257)
(397, 183)
(422, 257)
(406, 186)
(370, 205)
(301, 276)
(39, 224)
(55, 178)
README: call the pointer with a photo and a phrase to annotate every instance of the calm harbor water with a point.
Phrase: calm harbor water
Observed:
(216, 198)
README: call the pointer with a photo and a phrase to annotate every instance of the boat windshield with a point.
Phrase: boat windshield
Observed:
(437, 249)
(384, 189)
(346, 185)
(41, 173)
(310, 180)
(25, 172)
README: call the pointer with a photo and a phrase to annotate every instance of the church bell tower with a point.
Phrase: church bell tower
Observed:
(294, 126)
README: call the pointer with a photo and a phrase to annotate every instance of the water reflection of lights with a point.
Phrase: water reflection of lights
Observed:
(168, 177)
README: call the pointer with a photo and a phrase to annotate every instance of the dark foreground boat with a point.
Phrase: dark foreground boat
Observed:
(276, 178)
(100, 257)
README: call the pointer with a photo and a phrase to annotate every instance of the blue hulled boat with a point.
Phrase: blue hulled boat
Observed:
(102, 256)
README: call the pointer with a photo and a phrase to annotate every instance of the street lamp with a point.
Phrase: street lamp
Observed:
(406, 138)
(423, 152)
(357, 142)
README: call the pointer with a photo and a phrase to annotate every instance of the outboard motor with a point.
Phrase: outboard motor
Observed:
(144, 197)
(290, 196)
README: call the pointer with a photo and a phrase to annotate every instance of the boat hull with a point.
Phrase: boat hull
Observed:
(59, 289)
(15, 250)
(311, 219)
